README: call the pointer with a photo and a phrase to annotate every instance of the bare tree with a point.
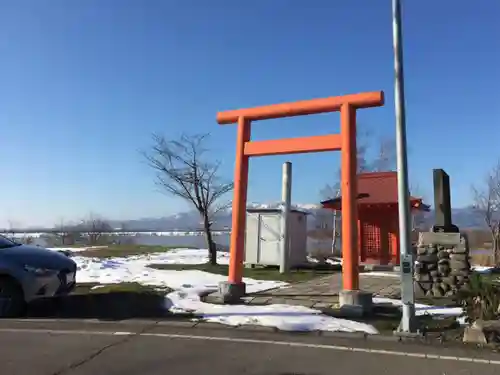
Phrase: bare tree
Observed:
(124, 227)
(419, 221)
(362, 147)
(183, 171)
(11, 228)
(60, 232)
(95, 228)
(330, 192)
(385, 159)
(487, 202)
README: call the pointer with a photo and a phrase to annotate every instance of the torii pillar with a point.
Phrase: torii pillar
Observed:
(232, 290)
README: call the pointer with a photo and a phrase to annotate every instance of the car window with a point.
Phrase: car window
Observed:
(6, 243)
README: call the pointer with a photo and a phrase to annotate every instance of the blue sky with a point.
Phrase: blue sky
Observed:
(85, 83)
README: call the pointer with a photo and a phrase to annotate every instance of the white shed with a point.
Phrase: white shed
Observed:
(263, 237)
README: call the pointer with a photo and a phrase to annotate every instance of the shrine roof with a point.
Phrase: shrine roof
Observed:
(377, 188)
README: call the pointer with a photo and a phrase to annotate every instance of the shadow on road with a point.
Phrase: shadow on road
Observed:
(103, 306)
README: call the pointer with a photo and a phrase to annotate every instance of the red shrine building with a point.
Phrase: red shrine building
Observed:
(378, 224)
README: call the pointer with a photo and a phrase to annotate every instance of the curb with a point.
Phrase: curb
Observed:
(201, 325)
(358, 336)
(420, 349)
(266, 329)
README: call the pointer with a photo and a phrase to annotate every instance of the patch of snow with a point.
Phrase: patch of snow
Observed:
(332, 261)
(190, 284)
(421, 309)
(283, 317)
(483, 269)
(23, 235)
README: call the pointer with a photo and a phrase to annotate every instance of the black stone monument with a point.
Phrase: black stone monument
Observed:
(442, 203)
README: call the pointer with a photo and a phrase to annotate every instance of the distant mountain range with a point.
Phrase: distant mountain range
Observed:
(318, 218)
(464, 218)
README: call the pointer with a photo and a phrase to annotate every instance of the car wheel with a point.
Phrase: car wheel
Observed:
(12, 302)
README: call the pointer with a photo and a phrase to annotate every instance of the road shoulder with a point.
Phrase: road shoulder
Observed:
(254, 334)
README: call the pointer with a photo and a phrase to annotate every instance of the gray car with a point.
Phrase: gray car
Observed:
(31, 272)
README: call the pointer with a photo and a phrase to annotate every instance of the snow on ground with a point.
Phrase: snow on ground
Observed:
(421, 309)
(483, 269)
(283, 317)
(186, 256)
(188, 285)
(331, 261)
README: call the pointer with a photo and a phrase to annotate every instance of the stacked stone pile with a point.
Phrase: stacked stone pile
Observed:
(442, 264)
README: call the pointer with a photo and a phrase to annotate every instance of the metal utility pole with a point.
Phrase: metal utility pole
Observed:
(407, 264)
(286, 201)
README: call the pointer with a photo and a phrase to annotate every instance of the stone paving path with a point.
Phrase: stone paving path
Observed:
(322, 293)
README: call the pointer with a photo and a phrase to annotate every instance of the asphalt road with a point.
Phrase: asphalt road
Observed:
(78, 348)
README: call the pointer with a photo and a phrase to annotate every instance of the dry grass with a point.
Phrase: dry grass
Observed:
(257, 273)
(125, 250)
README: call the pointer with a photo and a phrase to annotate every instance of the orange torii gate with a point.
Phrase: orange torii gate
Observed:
(234, 289)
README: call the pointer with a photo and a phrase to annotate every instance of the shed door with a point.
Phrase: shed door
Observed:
(269, 238)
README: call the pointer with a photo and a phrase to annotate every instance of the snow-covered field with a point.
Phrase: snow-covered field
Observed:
(188, 285)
